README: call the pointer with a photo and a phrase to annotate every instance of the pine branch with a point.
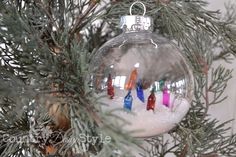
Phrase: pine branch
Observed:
(50, 43)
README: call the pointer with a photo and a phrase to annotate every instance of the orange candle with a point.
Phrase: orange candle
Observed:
(132, 80)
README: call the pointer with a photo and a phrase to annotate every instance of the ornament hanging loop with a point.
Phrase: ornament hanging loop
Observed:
(137, 2)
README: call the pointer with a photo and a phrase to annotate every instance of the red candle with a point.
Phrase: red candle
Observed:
(151, 101)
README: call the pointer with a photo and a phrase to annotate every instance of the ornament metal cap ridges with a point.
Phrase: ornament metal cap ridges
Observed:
(136, 22)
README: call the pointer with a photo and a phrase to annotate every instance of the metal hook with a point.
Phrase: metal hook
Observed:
(144, 7)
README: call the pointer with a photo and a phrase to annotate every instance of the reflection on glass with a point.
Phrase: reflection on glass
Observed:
(141, 70)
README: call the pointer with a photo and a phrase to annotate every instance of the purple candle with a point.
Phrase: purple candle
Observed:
(166, 97)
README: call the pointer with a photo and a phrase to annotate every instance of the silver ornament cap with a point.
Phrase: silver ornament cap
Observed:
(130, 23)
(136, 23)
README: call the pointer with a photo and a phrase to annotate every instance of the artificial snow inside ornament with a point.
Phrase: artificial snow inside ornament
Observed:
(145, 75)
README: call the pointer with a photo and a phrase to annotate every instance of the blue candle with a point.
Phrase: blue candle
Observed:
(139, 90)
(128, 101)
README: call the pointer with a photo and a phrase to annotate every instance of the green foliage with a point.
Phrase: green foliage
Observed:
(52, 42)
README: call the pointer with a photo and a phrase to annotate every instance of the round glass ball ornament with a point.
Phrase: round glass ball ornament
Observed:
(145, 76)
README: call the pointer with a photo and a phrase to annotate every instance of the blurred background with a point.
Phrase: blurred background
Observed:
(227, 109)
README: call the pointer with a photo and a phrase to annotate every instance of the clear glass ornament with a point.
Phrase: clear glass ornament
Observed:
(144, 74)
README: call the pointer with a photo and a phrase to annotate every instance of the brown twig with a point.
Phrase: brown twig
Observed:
(184, 152)
(164, 1)
(205, 70)
(210, 155)
(80, 18)
(206, 95)
(95, 116)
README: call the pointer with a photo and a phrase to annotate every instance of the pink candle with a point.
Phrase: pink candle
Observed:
(166, 97)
